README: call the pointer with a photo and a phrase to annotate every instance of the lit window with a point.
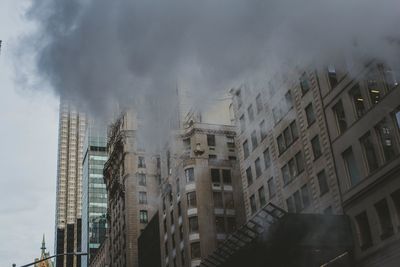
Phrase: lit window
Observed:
(375, 92)
(358, 101)
(387, 139)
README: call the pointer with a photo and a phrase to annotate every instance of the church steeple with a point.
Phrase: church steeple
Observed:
(43, 248)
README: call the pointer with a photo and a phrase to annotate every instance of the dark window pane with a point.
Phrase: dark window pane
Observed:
(259, 103)
(257, 165)
(267, 158)
(226, 176)
(299, 162)
(254, 142)
(322, 182)
(246, 149)
(249, 176)
(242, 123)
(193, 225)
(285, 174)
(217, 196)
(220, 224)
(305, 194)
(304, 84)
(340, 117)
(250, 112)
(215, 178)
(281, 143)
(253, 205)
(263, 130)
(195, 250)
(295, 131)
(297, 201)
(271, 187)
(385, 220)
(189, 173)
(310, 114)
(351, 166)
(369, 152)
(290, 205)
(287, 134)
(229, 202)
(364, 230)
(191, 200)
(231, 224)
(316, 147)
(261, 196)
(210, 140)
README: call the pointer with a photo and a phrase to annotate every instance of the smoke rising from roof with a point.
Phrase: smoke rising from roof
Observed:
(102, 52)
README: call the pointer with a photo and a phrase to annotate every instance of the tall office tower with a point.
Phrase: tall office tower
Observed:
(69, 184)
(94, 193)
(132, 181)
(202, 192)
(285, 154)
(362, 108)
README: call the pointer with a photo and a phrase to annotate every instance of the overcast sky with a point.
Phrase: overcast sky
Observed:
(29, 128)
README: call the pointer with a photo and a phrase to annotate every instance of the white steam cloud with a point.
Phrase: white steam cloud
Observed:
(135, 52)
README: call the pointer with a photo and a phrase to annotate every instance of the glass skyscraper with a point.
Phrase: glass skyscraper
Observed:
(94, 193)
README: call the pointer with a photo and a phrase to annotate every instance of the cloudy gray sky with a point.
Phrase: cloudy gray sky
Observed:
(28, 126)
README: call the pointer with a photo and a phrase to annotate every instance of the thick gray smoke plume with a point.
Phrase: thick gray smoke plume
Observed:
(137, 51)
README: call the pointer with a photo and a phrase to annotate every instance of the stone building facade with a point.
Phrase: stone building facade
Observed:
(284, 150)
(201, 200)
(363, 116)
(132, 182)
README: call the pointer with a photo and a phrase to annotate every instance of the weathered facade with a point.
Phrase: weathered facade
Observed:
(202, 194)
(363, 117)
(132, 182)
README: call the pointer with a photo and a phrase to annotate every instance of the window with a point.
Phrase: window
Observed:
(292, 168)
(259, 104)
(249, 176)
(310, 114)
(195, 250)
(226, 176)
(396, 201)
(340, 117)
(142, 179)
(254, 142)
(364, 230)
(385, 220)
(253, 205)
(316, 147)
(217, 197)
(391, 78)
(285, 174)
(375, 92)
(229, 202)
(387, 140)
(186, 144)
(281, 144)
(294, 130)
(242, 123)
(245, 149)
(304, 85)
(323, 183)
(290, 204)
(230, 141)
(271, 187)
(172, 217)
(358, 101)
(305, 195)
(191, 200)
(297, 201)
(220, 224)
(143, 216)
(267, 158)
(287, 135)
(210, 140)
(250, 112)
(215, 176)
(189, 174)
(142, 198)
(257, 165)
(261, 196)
(193, 225)
(332, 76)
(299, 162)
(230, 224)
(369, 152)
(263, 130)
(141, 162)
(351, 166)
(288, 100)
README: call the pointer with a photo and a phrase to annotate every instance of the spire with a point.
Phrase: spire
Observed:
(43, 248)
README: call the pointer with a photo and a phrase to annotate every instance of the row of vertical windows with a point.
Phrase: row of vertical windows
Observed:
(262, 195)
(294, 167)
(287, 138)
(216, 176)
(223, 200)
(257, 166)
(299, 200)
(382, 211)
